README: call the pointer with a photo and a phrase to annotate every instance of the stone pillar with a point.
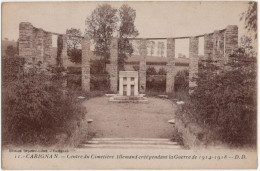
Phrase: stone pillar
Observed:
(208, 46)
(26, 41)
(38, 45)
(193, 64)
(114, 65)
(218, 47)
(231, 40)
(47, 48)
(85, 81)
(142, 70)
(170, 65)
(64, 55)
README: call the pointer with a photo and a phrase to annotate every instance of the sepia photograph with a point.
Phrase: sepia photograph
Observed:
(129, 85)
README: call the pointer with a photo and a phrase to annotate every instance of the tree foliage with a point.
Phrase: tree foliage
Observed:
(250, 18)
(106, 22)
(11, 51)
(101, 26)
(74, 41)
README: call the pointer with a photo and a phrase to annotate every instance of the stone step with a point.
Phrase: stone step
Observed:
(129, 146)
(133, 142)
(130, 143)
(130, 139)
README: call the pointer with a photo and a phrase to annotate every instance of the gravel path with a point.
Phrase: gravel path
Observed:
(129, 120)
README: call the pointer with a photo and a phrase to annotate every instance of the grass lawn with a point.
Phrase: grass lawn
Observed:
(130, 120)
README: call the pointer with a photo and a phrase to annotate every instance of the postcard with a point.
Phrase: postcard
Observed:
(129, 85)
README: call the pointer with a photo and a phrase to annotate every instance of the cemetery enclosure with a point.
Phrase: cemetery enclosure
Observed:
(35, 46)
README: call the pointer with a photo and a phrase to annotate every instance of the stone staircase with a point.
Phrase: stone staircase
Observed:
(131, 143)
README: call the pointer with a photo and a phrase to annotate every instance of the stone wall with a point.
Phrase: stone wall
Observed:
(85, 81)
(193, 66)
(142, 69)
(35, 44)
(170, 65)
(114, 65)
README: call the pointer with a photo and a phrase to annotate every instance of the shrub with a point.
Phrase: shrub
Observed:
(156, 83)
(136, 67)
(97, 67)
(100, 82)
(151, 71)
(181, 82)
(162, 71)
(36, 109)
(75, 55)
(226, 100)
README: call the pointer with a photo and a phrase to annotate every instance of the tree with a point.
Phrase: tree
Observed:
(250, 18)
(100, 26)
(74, 40)
(11, 51)
(104, 23)
(126, 30)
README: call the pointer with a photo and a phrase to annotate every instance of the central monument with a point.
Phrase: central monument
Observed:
(128, 88)
(128, 83)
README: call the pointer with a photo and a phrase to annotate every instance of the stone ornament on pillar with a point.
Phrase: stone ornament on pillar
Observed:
(86, 53)
(193, 64)
(142, 70)
(114, 65)
(170, 65)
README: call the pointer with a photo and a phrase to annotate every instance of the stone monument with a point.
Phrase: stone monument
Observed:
(128, 88)
(128, 83)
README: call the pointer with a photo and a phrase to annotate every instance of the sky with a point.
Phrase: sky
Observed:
(153, 19)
